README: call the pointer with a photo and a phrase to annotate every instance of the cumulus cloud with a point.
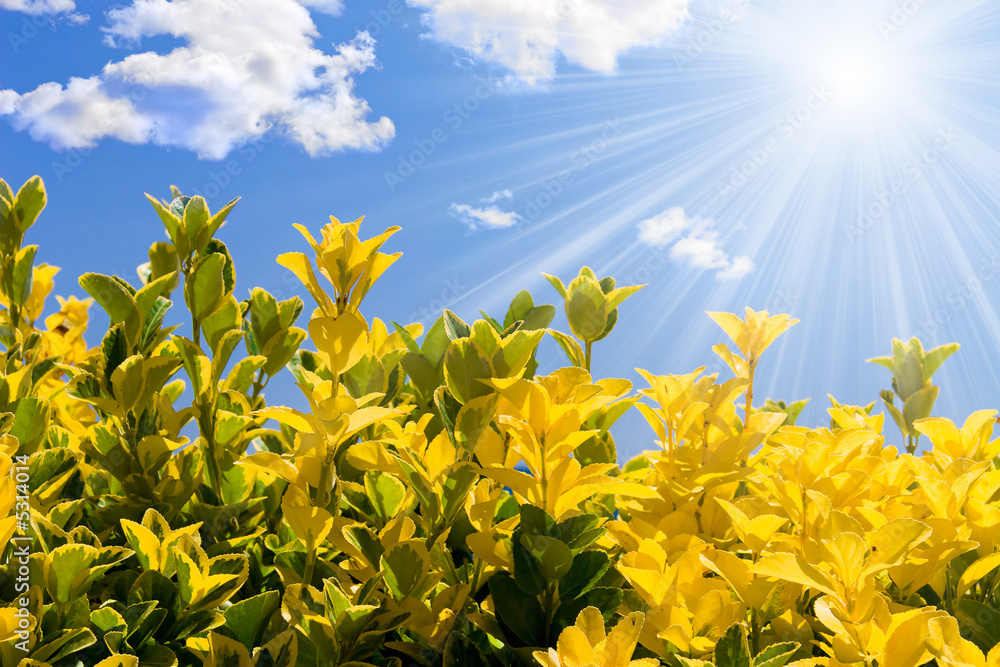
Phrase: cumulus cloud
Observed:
(498, 195)
(489, 216)
(693, 241)
(528, 37)
(246, 68)
(38, 7)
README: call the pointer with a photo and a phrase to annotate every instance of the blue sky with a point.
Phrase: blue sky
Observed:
(834, 160)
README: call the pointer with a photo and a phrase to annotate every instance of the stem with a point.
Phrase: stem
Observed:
(323, 493)
(586, 362)
(196, 331)
(755, 621)
(545, 475)
(310, 566)
(751, 366)
(213, 470)
(258, 384)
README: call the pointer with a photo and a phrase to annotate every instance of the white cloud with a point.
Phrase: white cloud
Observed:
(693, 241)
(491, 217)
(661, 229)
(527, 37)
(497, 196)
(246, 68)
(38, 7)
(740, 267)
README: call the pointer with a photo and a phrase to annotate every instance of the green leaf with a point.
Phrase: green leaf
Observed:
(216, 221)
(405, 565)
(909, 376)
(280, 349)
(776, 655)
(163, 261)
(472, 421)
(732, 649)
(513, 354)
(616, 296)
(264, 320)
(385, 492)
(919, 406)
(248, 618)
(282, 651)
(460, 651)
(240, 378)
(936, 357)
(225, 319)
(195, 218)
(536, 521)
(154, 318)
(10, 235)
(606, 600)
(558, 284)
(580, 531)
(520, 306)
(570, 346)
(20, 278)
(30, 201)
(885, 362)
(116, 301)
(62, 643)
(204, 290)
(465, 363)
(458, 480)
(455, 327)
(173, 225)
(586, 309)
(31, 421)
(981, 621)
(63, 564)
(527, 571)
(587, 569)
(520, 615)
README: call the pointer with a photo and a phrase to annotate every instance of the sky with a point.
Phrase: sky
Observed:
(834, 160)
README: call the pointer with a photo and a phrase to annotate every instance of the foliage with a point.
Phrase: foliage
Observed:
(912, 369)
(439, 502)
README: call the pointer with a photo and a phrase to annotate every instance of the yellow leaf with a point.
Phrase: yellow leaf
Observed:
(792, 567)
(977, 571)
(311, 524)
(342, 340)
(144, 544)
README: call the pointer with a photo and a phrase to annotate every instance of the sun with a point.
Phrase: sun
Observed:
(856, 76)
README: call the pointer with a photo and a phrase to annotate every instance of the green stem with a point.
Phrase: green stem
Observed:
(544, 477)
(586, 362)
(751, 366)
(310, 566)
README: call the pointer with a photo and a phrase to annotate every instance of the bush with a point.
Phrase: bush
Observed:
(440, 503)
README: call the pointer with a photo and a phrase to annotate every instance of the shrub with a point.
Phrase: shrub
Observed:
(440, 503)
